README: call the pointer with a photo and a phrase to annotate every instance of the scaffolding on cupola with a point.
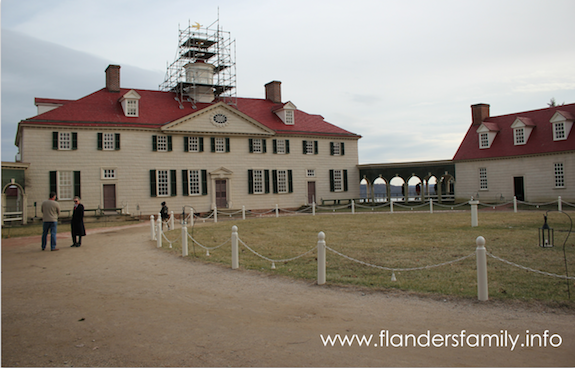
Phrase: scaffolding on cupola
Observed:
(204, 69)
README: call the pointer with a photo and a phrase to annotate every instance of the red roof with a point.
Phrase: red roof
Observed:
(540, 141)
(157, 108)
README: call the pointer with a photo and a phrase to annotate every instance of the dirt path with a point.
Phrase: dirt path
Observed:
(119, 301)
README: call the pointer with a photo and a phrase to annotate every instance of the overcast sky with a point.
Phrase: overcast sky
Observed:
(402, 74)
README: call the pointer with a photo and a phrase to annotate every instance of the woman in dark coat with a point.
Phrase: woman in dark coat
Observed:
(78, 229)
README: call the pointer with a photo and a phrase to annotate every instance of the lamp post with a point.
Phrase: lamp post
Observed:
(546, 239)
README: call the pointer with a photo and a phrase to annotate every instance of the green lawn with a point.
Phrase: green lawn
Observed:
(403, 240)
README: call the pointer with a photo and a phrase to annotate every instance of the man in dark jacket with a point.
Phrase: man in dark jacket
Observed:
(77, 225)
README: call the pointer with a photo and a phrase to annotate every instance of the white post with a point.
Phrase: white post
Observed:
(474, 221)
(480, 255)
(321, 258)
(391, 206)
(184, 239)
(313, 208)
(191, 217)
(559, 204)
(153, 230)
(352, 207)
(514, 204)
(277, 211)
(235, 255)
(430, 205)
(243, 212)
(215, 215)
(171, 220)
(159, 232)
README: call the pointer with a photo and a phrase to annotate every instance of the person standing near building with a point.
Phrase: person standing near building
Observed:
(50, 212)
(77, 225)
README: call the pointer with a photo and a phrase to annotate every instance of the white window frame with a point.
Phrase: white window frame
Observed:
(108, 173)
(282, 181)
(281, 146)
(220, 144)
(519, 136)
(163, 183)
(194, 182)
(162, 143)
(257, 145)
(65, 185)
(309, 147)
(258, 181)
(338, 180)
(289, 117)
(559, 175)
(64, 141)
(483, 178)
(193, 144)
(310, 173)
(131, 107)
(559, 131)
(336, 148)
(483, 140)
(108, 141)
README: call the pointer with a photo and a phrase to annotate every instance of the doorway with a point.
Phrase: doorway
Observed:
(310, 192)
(221, 193)
(109, 191)
(519, 188)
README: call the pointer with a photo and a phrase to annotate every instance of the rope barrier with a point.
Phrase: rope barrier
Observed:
(530, 269)
(208, 248)
(275, 260)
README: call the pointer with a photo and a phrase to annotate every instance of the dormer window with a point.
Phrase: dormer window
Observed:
(487, 133)
(287, 113)
(562, 123)
(130, 103)
(522, 128)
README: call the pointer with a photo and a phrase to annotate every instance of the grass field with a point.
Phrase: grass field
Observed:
(403, 240)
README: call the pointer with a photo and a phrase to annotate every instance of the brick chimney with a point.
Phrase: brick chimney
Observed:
(113, 78)
(479, 113)
(274, 91)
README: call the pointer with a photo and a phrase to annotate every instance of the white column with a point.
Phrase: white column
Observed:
(243, 212)
(159, 232)
(559, 204)
(474, 220)
(235, 255)
(321, 258)
(430, 205)
(352, 207)
(480, 254)
(153, 227)
(184, 239)
(171, 220)
(514, 204)
(277, 211)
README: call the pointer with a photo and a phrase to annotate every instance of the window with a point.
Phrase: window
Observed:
(310, 173)
(283, 182)
(194, 182)
(289, 117)
(257, 145)
(281, 146)
(559, 131)
(64, 141)
(132, 107)
(220, 144)
(108, 173)
(484, 140)
(66, 184)
(162, 143)
(108, 141)
(258, 181)
(559, 176)
(519, 135)
(194, 144)
(337, 148)
(483, 178)
(338, 180)
(310, 147)
(130, 104)
(162, 183)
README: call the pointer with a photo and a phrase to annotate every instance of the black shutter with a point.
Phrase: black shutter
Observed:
(153, 183)
(275, 145)
(185, 187)
(342, 149)
(331, 148)
(77, 184)
(100, 139)
(74, 140)
(315, 147)
(154, 143)
(250, 182)
(287, 145)
(331, 181)
(213, 141)
(201, 144)
(53, 182)
(186, 143)
(290, 181)
(345, 180)
(117, 141)
(227, 145)
(264, 146)
(173, 183)
(275, 180)
(267, 182)
(204, 182)
(251, 144)
(304, 147)
(55, 140)
(169, 143)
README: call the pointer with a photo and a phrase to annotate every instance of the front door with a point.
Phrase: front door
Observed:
(221, 194)
(109, 195)
(519, 188)
(310, 192)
